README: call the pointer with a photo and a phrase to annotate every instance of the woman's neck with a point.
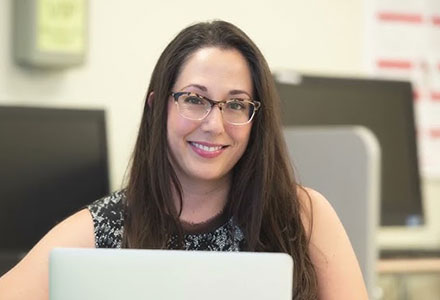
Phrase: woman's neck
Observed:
(202, 199)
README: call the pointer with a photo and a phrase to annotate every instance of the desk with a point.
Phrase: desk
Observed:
(409, 279)
(409, 265)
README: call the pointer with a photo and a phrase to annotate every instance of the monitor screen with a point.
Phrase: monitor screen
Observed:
(52, 163)
(386, 108)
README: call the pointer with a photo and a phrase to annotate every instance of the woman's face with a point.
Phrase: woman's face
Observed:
(208, 149)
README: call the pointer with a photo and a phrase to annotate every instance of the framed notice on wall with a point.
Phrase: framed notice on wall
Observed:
(50, 33)
(403, 42)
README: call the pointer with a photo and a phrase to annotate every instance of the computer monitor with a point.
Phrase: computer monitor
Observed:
(386, 108)
(52, 163)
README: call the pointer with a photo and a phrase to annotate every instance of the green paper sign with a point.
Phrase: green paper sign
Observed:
(61, 26)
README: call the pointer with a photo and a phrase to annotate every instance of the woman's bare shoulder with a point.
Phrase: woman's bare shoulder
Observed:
(316, 210)
(29, 278)
(312, 204)
(337, 269)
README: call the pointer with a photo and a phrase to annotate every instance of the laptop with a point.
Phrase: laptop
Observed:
(130, 274)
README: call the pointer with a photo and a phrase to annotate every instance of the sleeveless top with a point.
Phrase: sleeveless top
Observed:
(217, 234)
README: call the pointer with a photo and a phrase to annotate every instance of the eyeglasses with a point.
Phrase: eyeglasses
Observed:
(235, 111)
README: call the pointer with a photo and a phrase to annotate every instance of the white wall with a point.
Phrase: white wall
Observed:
(126, 38)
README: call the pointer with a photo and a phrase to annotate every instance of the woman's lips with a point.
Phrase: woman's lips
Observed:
(207, 150)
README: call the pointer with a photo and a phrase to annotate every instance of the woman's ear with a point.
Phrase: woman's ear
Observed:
(150, 99)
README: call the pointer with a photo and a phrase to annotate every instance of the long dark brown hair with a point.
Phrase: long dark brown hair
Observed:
(263, 198)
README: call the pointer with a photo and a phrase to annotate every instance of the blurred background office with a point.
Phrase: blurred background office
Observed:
(115, 45)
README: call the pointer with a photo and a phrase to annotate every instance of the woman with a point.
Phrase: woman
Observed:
(210, 172)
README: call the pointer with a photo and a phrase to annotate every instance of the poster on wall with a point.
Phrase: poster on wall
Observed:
(403, 43)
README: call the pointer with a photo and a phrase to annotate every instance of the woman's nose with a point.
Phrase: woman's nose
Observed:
(213, 122)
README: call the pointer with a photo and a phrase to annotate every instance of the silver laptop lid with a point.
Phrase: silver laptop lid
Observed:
(168, 274)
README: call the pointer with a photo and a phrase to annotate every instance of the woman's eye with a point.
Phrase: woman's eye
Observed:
(236, 105)
(193, 100)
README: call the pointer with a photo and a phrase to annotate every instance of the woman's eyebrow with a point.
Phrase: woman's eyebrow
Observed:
(198, 86)
(237, 92)
(205, 89)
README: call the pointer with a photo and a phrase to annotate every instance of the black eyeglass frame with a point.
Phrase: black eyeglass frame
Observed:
(220, 104)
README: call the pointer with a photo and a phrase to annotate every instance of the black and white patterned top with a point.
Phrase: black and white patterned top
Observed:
(108, 220)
